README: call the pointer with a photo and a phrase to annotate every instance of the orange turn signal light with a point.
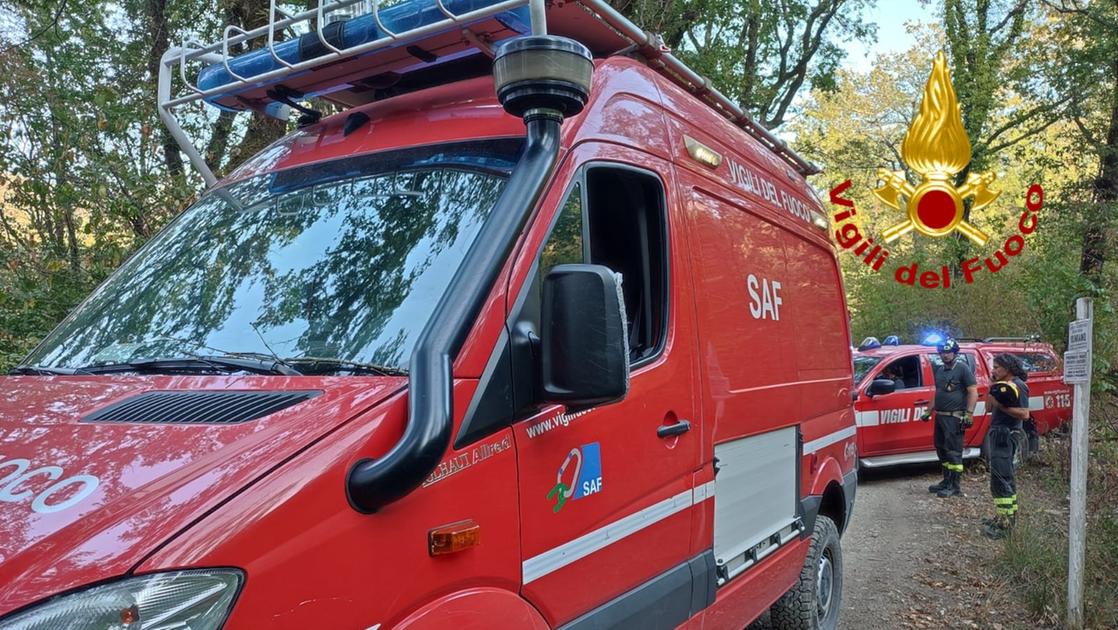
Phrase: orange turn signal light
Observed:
(454, 537)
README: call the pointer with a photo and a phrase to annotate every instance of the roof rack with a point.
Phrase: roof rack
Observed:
(337, 59)
(1027, 339)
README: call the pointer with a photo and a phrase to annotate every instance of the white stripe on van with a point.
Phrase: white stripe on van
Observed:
(827, 440)
(866, 418)
(556, 558)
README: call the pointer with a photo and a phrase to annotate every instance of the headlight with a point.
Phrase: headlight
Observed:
(183, 600)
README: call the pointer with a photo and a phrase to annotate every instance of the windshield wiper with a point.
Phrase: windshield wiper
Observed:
(322, 365)
(235, 363)
(42, 370)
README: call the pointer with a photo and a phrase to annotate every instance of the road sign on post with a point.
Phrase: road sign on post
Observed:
(1079, 335)
(1077, 370)
(1077, 367)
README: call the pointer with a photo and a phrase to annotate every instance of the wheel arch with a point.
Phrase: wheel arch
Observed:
(474, 609)
(832, 495)
(833, 505)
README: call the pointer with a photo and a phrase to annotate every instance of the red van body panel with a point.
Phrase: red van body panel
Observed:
(148, 481)
(756, 344)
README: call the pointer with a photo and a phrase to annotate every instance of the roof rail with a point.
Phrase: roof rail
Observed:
(331, 58)
(1027, 339)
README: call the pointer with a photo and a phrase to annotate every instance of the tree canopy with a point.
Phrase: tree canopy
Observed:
(88, 173)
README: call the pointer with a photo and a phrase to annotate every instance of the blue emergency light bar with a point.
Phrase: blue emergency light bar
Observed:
(933, 339)
(869, 343)
(380, 24)
(892, 340)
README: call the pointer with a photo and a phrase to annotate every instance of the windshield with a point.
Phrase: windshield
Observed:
(339, 261)
(862, 365)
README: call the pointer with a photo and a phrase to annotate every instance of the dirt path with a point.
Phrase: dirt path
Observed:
(913, 560)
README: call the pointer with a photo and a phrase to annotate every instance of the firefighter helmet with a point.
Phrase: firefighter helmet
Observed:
(948, 345)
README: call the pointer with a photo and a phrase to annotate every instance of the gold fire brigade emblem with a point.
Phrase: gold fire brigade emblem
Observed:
(936, 147)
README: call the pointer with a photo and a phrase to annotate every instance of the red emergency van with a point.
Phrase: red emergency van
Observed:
(889, 409)
(555, 338)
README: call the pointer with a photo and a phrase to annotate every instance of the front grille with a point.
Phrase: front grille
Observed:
(207, 407)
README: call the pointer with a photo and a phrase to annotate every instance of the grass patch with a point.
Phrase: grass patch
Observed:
(1034, 559)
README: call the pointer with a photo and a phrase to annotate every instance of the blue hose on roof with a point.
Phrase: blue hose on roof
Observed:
(398, 18)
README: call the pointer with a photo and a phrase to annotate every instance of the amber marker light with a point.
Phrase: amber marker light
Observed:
(702, 153)
(454, 537)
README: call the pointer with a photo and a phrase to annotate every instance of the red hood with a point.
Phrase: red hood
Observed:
(151, 481)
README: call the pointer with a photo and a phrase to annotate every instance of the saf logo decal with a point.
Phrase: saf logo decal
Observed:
(580, 475)
(766, 304)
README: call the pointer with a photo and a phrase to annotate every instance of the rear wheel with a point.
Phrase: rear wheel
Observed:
(814, 602)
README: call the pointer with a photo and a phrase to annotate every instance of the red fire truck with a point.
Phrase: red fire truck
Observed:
(539, 330)
(889, 409)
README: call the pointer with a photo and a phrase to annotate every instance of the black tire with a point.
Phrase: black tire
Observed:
(803, 606)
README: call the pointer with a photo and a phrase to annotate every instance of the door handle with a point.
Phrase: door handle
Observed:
(921, 402)
(679, 428)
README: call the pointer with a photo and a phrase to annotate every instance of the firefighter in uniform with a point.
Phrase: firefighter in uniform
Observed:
(955, 399)
(1009, 400)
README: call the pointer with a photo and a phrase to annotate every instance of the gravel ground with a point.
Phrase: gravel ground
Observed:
(913, 560)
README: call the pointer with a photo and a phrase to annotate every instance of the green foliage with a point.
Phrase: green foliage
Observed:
(86, 176)
(84, 173)
(1028, 135)
(761, 54)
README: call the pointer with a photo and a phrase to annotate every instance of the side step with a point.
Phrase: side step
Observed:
(922, 457)
(729, 569)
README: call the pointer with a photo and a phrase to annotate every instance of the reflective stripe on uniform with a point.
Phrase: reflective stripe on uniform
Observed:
(953, 467)
(1006, 506)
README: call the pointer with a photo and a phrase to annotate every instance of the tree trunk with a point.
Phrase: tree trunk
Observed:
(218, 147)
(159, 36)
(752, 34)
(262, 130)
(1105, 189)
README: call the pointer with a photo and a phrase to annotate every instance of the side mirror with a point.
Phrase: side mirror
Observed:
(881, 386)
(585, 347)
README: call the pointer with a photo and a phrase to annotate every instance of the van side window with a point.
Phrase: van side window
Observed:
(628, 234)
(905, 373)
(1036, 361)
(965, 357)
(565, 245)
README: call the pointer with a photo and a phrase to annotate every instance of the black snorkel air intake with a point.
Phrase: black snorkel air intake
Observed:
(542, 79)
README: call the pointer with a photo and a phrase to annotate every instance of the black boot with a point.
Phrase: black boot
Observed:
(942, 484)
(952, 488)
(1000, 527)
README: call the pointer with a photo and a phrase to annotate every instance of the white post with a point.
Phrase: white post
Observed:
(1077, 527)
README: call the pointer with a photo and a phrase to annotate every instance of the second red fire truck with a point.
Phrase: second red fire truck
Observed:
(889, 409)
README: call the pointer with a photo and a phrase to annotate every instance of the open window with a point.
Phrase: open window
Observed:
(614, 216)
(904, 372)
(626, 228)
